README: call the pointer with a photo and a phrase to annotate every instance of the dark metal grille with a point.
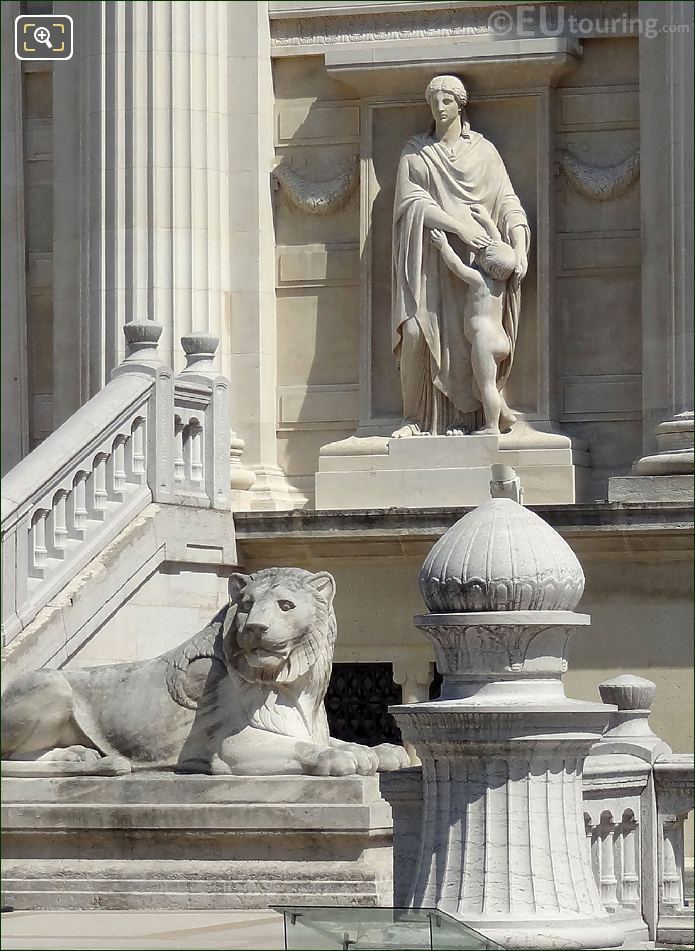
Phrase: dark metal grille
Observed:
(357, 703)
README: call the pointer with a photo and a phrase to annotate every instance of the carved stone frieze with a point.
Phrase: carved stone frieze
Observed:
(501, 649)
(600, 182)
(318, 198)
(451, 20)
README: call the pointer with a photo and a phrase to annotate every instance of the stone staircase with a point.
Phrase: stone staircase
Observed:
(137, 476)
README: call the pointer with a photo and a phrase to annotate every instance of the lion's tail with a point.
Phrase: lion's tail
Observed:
(106, 766)
(206, 643)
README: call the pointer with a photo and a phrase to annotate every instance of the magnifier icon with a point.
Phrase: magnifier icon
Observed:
(43, 35)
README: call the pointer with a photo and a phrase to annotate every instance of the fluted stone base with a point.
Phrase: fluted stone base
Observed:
(503, 845)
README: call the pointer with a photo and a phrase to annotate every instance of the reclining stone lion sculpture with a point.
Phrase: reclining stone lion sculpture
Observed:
(244, 696)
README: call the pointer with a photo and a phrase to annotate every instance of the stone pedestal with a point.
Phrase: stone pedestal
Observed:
(666, 475)
(503, 843)
(158, 841)
(442, 471)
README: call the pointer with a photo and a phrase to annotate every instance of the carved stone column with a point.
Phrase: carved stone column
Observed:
(153, 212)
(144, 147)
(503, 842)
(664, 472)
(252, 247)
(15, 391)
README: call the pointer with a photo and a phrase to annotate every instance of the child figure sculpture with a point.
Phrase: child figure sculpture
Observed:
(482, 322)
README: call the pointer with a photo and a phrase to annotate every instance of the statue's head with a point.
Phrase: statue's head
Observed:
(446, 84)
(497, 259)
(281, 624)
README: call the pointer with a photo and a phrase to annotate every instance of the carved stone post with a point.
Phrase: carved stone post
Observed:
(503, 842)
(142, 337)
(210, 445)
(665, 471)
(673, 777)
(628, 729)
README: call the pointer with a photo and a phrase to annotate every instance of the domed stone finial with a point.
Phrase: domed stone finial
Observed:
(200, 352)
(501, 557)
(628, 729)
(628, 692)
(141, 338)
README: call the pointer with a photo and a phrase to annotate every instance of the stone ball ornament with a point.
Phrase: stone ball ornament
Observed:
(501, 557)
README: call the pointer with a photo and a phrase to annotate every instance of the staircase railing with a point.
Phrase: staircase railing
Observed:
(147, 436)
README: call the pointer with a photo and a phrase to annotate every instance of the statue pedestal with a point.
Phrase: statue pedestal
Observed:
(448, 471)
(162, 841)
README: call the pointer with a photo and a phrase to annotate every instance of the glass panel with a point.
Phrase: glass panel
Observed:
(385, 929)
(448, 934)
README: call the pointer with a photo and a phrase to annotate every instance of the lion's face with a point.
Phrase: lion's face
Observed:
(277, 621)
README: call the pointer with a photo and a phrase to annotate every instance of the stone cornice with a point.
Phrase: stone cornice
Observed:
(610, 528)
(304, 28)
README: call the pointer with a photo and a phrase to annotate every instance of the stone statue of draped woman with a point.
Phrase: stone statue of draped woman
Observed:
(452, 179)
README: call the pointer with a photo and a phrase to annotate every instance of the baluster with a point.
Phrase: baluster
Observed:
(671, 879)
(59, 522)
(38, 553)
(77, 508)
(138, 447)
(179, 465)
(592, 852)
(100, 493)
(186, 452)
(630, 891)
(196, 453)
(119, 473)
(80, 500)
(609, 883)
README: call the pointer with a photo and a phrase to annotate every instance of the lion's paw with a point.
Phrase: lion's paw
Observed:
(391, 757)
(367, 759)
(70, 754)
(343, 761)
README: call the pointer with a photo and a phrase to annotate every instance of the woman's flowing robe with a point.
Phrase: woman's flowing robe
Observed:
(424, 288)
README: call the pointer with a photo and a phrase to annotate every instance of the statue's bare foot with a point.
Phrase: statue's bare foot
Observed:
(456, 431)
(487, 431)
(407, 429)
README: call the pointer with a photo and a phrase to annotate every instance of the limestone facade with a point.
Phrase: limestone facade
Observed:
(296, 292)
(238, 180)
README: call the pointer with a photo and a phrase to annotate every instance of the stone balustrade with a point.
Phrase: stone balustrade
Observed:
(147, 436)
(613, 787)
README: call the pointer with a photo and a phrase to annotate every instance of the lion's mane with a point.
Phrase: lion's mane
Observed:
(264, 693)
